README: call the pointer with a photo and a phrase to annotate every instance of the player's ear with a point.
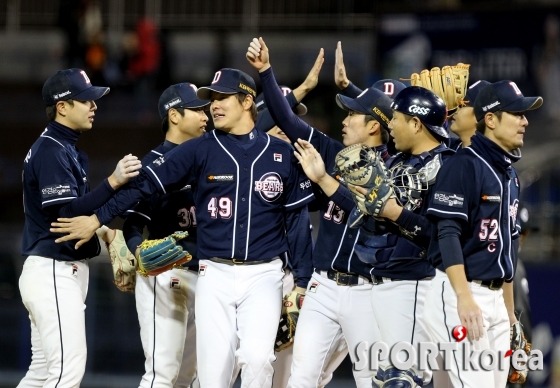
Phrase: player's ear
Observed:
(61, 108)
(490, 120)
(172, 115)
(248, 102)
(373, 127)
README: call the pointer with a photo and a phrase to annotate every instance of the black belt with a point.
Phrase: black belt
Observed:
(381, 279)
(237, 262)
(343, 278)
(494, 284)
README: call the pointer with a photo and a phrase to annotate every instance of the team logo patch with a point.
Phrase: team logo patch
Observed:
(313, 287)
(172, 103)
(202, 270)
(55, 190)
(159, 161)
(491, 198)
(448, 199)
(219, 178)
(277, 157)
(175, 283)
(74, 270)
(270, 186)
(513, 211)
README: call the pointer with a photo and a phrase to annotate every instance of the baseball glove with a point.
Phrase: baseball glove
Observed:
(360, 165)
(518, 341)
(288, 319)
(123, 262)
(157, 256)
(449, 82)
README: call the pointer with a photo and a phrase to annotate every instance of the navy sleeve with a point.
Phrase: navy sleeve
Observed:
(133, 230)
(449, 232)
(280, 110)
(351, 91)
(167, 173)
(416, 227)
(455, 184)
(298, 235)
(140, 189)
(264, 120)
(343, 199)
(84, 206)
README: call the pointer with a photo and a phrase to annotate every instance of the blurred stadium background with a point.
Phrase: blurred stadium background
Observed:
(139, 47)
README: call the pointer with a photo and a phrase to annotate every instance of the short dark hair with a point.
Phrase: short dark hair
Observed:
(51, 110)
(241, 98)
(481, 125)
(384, 132)
(165, 121)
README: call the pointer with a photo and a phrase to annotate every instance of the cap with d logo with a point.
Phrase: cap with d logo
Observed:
(71, 84)
(229, 81)
(504, 96)
(300, 109)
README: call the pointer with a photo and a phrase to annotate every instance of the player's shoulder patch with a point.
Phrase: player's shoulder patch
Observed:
(443, 198)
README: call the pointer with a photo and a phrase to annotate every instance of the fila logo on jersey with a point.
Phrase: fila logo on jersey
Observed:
(491, 198)
(159, 161)
(175, 283)
(448, 199)
(270, 186)
(277, 157)
(202, 270)
(218, 178)
(313, 287)
(74, 270)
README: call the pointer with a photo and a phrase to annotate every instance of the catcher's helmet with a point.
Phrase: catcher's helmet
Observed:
(424, 104)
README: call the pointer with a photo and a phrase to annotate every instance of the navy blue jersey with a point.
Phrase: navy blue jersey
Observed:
(247, 189)
(164, 214)
(335, 241)
(54, 174)
(396, 250)
(479, 188)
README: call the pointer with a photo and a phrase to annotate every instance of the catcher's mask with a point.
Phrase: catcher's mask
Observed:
(427, 106)
(408, 184)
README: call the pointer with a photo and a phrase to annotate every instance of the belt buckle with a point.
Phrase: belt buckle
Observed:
(239, 262)
(495, 284)
(340, 282)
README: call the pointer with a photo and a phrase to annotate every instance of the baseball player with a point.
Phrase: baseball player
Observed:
(337, 308)
(165, 303)
(54, 279)
(395, 245)
(463, 122)
(250, 209)
(283, 363)
(474, 210)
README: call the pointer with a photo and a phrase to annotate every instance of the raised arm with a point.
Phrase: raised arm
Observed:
(340, 79)
(277, 105)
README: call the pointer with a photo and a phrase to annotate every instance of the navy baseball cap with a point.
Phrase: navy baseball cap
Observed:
(504, 96)
(181, 95)
(370, 102)
(472, 92)
(390, 87)
(229, 81)
(300, 109)
(71, 84)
